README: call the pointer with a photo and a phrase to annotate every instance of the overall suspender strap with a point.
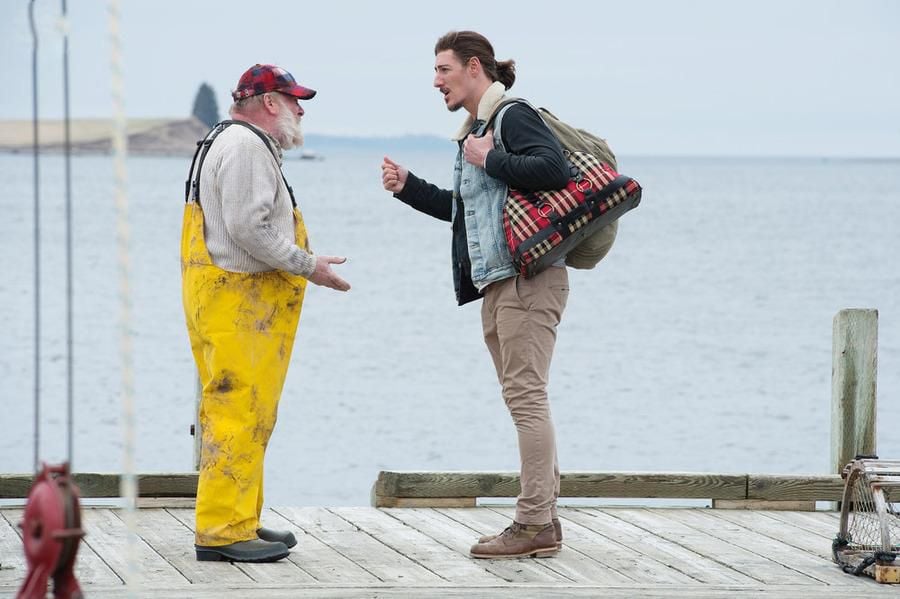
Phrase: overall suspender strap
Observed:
(203, 145)
(193, 181)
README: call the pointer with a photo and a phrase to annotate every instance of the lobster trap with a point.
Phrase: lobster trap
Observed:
(868, 541)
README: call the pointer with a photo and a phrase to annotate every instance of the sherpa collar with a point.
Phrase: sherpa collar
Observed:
(493, 95)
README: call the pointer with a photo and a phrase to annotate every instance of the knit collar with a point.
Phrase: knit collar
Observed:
(279, 153)
(493, 95)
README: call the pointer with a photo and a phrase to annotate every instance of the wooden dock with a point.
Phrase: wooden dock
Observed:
(767, 541)
(423, 552)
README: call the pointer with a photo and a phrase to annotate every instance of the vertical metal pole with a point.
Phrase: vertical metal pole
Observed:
(37, 241)
(68, 161)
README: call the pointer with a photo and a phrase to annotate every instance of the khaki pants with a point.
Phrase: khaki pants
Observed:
(520, 317)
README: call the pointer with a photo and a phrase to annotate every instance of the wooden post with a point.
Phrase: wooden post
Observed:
(854, 367)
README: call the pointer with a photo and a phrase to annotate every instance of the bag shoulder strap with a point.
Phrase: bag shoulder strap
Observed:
(572, 139)
(502, 106)
(496, 117)
(193, 182)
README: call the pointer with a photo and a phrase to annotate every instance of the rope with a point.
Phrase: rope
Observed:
(64, 27)
(128, 486)
(860, 567)
(37, 240)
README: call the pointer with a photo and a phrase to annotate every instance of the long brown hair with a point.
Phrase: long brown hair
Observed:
(471, 44)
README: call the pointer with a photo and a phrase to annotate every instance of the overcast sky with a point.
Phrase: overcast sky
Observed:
(771, 77)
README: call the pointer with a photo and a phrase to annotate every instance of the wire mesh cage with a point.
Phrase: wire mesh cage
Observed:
(868, 541)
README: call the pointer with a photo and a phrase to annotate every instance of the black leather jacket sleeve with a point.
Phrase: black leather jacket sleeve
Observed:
(426, 197)
(533, 160)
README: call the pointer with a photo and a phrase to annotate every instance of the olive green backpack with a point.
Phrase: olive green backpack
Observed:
(589, 252)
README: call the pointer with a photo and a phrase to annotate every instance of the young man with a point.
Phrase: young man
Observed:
(245, 263)
(519, 316)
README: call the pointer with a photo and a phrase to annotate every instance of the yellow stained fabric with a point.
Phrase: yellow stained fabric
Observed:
(241, 327)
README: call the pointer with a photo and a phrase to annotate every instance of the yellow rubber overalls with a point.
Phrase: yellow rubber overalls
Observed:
(241, 327)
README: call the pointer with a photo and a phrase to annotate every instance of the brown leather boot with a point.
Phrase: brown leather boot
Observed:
(519, 540)
(557, 528)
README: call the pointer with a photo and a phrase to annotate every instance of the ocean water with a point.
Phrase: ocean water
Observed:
(702, 342)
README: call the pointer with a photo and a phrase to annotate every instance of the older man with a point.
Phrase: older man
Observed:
(245, 263)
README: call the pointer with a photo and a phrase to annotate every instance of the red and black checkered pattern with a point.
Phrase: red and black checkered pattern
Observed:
(541, 227)
(265, 78)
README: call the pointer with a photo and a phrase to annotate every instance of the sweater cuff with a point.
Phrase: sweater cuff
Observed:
(303, 264)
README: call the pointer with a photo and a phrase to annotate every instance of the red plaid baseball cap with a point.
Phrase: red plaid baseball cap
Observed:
(264, 78)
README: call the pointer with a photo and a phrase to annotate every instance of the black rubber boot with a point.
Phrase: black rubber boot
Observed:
(255, 551)
(277, 536)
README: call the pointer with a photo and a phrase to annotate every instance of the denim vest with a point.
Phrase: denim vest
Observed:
(483, 198)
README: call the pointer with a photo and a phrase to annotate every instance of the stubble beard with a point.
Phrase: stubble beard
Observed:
(453, 107)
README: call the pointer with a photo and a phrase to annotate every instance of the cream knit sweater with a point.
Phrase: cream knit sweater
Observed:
(247, 211)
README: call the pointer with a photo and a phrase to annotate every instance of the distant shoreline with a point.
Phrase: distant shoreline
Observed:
(94, 136)
(178, 138)
(170, 137)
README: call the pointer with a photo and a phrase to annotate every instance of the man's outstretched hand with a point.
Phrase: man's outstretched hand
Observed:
(324, 276)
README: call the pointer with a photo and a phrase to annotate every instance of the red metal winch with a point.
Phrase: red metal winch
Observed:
(51, 528)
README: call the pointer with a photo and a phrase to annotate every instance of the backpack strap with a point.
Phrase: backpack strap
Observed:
(193, 181)
(502, 106)
(495, 120)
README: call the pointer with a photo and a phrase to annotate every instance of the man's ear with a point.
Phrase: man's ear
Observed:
(269, 104)
(474, 66)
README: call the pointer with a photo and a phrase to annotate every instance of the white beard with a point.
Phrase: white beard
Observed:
(289, 133)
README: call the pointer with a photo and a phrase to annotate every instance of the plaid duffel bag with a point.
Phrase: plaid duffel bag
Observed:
(542, 227)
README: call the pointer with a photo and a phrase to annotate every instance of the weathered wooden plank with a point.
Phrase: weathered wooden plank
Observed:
(763, 504)
(315, 557)
(174, 541)
(379, 501)
(531, 591)
(794, 487)
(12, 554)
(460, 538)
(572, 484)
(615, 556)
(888, 574)
(447, 486)
(573, 564)
(89, 568)
(358, 546)
(779, 530)
(802, 562)
(164, 502)
(854, 365)
(107, 535)
(679, 558)
(93, 484)
(745, 562)
(280, 572)
(820, 523)
(446, 563)
(829, 516)
(590, 538)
